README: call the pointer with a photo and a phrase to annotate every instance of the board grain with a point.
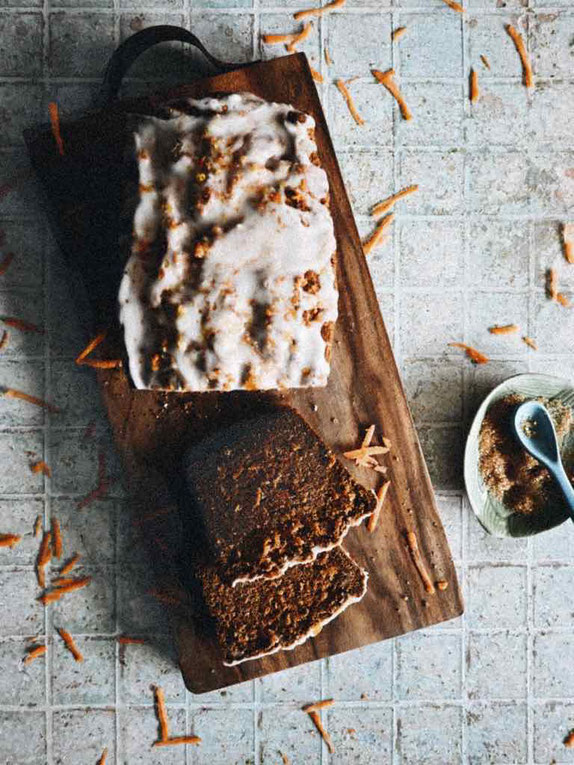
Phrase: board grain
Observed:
(152, 429)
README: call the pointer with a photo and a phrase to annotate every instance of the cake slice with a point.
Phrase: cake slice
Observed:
(268, 495)
(258, 618)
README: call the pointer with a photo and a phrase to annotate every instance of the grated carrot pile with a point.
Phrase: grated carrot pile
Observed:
(328, 59)
(376, 238)
(344, 91)
(317, 76)
(83, 360)
(10, 540)
(316, 705)
(178, 740)
(386, 79)
(398, 33)
(324, 735)
(34, 652)
(4, 339)
(374, 517)
(530, 342)
(103, 758)
(504, 329)
(55, 122)
(455, 6)
(521, 48)
(126, 640)
(319, 11)
(389, 202)
(474, 90)
(70, 645)
(485, 61)
(44, 557)
(12, 393)
(6, 261)
(21, 324)
(419, 563)
(475, 356)
(568, 242)
(41, 467)
(37, 525)
(56, 594)
(69, 565)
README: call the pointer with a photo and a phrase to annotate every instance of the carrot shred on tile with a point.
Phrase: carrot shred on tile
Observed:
(518, 41)
(569, 740)
(374, 517)
(568, 242)
(317, 76)
(475, 356)
(299, 37)
(21, 324)
(4, 339)
(5, 263)
(10, 540)
(376, 238)
(56, 594)
(455, 6)
(323, 733)
(316, 705)
(69, 565)
(161, 713)
(563, 300)
(389, 202)
(485, 61)
(83, 360)
(12, 393)
(44, 557)
(37, 525)
(503, 329)
(474, 89)
(319, 11)
(103, 757)
(417, 558)
(127, 640)
(398, 33)
(551, 283)
(344, 91)
(285, 759)
(195, 740)
(530, 342)
(70, 644)
(386, 79)
(55, 123)
(34, 652)
(56, 538)
(277, 39)
(328, 59)
(41, 467)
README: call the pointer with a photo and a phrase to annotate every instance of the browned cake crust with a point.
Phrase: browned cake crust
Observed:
(269, 615)
(268, 494)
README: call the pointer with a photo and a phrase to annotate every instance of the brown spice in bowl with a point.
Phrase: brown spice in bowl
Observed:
(509, 472)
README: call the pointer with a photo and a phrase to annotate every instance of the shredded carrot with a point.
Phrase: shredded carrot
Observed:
(568, 242)
(103, 758)
(374, 517)
(474, 90)
(70, 645)
(398, 33)
(126, 640)
(53, 595)
(55, 122)
(4, 339)
(316, 705)
(319, 11)
(34, 653)
(521, 48)
(277, 39)
(37, 525)
(344, 91)
(6, 261)
(41, 467)
(365, 451)
(69, 565)
(386, 79)
(11, 393)
(299, 37)
(63, 581)
(476, 356)
(21, 324)
(317, 76)
(286, 760)
(551, 283)
(569, 740)
(442, 585)
(389, 202)
(369, 433)
(376, 238)
(328, 59)
(56, 538)
(455, 6)
(530, 342)
(324, 735)
(563, 300)
(291, 39)
(82, 359)
(44, 557)
(485, 61)
(161, 713)
(10, 540)
(419, 563)
(179, 740)
(503, 329)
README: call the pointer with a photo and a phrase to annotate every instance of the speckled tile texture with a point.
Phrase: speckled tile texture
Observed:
(468, 250)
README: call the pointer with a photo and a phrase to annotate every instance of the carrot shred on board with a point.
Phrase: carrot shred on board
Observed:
(530, 342)
(12, 393)
(299, 37)
(55, 122)
(319, 11)
(474, 89)
(485, 61)
(365, 451)
(6, 261)
(386, 79)
(389, 202)
(21, 324)
(344, 91)
(34, 653)
(442, 585)
(178, 740)
(103, 758)
(524, 59)
(127, 640)
(161, 713)
(37, 525)
(4, 339)
(328, 59)
(503, 329)
(83, 360)
(551, 283)
(369, 433)
(317, 76)
(376, 238)
(475, 356)
(455, 6)
(568, 242)
(41, 467)
(324, 735)
(70, 645)
(316, 705)
(56, 538)
(416, 556)
(374, 517)
(398, 33)
(44, 557)
(69, 565)
(53, 595)
(10, 540)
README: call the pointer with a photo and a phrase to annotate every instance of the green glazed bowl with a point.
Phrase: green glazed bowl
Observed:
(494, 515)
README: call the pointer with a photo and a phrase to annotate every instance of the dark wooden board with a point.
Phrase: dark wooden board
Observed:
(152, 429)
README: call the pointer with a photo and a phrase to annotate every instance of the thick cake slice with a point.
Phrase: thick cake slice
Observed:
(258, 618)
(269, 495)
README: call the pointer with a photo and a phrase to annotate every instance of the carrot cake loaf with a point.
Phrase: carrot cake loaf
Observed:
(230, 281)
(259, 618)
(268, 494)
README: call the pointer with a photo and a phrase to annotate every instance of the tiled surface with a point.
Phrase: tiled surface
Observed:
(469, 250)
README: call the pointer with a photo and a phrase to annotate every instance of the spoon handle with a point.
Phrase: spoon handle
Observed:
(566, 486)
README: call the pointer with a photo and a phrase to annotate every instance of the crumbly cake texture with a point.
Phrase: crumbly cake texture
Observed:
(268, 495)
(509, 472)
(230, 283)
(258, 618)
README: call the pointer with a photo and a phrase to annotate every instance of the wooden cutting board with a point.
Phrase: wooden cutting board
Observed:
(153, 429)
